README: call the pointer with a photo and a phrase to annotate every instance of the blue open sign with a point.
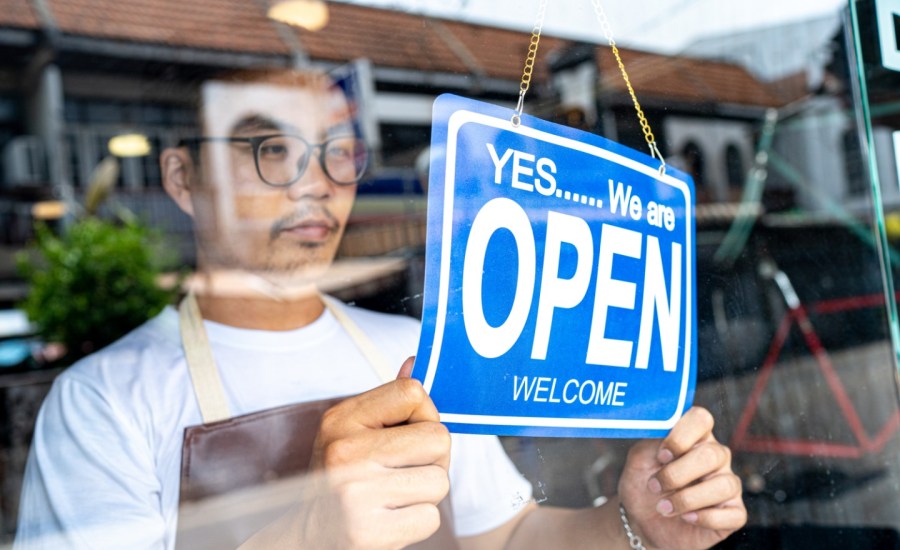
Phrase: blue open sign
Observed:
(560, 286)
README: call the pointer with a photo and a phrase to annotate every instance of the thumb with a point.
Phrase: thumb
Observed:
(407, 368)
(643, 455)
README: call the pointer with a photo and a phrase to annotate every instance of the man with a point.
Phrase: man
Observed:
(270, 184)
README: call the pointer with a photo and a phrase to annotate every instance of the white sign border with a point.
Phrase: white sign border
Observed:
(885, 10)
(896, 136)
(455, 123)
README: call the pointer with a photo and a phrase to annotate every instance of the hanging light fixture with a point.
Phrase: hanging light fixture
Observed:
(48, 210)
(311, 15)
(129, 145)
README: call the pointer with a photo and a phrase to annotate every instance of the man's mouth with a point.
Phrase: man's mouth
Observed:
(310, 231)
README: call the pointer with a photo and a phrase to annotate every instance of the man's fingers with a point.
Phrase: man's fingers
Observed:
(402, 400)
(711, 493)
(694, 427)
(386, 457)
(412, 524)
(726, 518)
(701, 461)
(410, 486)
(389, 528)
(416, 444)
(390, 488)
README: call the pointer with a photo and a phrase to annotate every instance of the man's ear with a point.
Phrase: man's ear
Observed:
(176, 166)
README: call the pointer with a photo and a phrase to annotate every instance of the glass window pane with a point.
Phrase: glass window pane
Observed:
(785, 114)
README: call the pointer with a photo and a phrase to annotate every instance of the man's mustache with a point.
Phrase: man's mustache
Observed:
(304, 213)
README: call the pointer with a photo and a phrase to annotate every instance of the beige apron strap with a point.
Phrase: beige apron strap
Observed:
(198, 353)
(364, 343)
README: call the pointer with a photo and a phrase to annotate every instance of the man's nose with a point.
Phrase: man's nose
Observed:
(313, 183)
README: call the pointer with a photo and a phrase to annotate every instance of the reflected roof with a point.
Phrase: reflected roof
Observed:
(390, 39)
(18, 13)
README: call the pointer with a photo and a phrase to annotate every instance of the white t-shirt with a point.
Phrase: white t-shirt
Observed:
(105, 463)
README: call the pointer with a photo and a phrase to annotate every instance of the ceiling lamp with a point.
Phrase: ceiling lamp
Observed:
(129, 145)
(311, 15)
(48, 210)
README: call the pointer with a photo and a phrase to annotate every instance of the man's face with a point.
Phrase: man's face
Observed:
(241, 222)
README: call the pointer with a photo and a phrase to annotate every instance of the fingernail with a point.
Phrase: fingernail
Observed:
(664, 456)
(654, 486)
(406, 368)
(690, 517)
(664, 507)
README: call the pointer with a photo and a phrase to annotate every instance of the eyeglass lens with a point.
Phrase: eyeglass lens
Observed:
(283, 159)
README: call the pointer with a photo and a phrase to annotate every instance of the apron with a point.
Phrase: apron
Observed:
(240, 473)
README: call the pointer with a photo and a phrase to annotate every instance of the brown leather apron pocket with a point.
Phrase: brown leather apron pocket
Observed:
(249, 450)
(240, 474)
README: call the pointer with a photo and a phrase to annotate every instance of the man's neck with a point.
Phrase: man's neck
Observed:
(260, 313)
(238, 300)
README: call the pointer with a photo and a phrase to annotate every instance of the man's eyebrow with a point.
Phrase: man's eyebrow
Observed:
(342, 129)
(256, 123)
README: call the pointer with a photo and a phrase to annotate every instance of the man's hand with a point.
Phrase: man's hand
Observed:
(382, 459)
(680, 493)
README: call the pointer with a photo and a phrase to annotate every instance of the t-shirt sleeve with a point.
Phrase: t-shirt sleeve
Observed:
(486, 489)
(89, 482)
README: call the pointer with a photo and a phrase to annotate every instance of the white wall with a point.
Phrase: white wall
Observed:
(712, 137)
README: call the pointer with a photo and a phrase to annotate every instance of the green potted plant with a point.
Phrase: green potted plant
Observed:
(97, 279)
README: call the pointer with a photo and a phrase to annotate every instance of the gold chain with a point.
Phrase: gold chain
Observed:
(529, 61)
(528, 71)
(645, 126)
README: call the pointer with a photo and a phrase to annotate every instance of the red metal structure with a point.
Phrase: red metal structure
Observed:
(797, 314)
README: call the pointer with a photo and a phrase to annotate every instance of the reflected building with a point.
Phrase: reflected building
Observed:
(70, 84)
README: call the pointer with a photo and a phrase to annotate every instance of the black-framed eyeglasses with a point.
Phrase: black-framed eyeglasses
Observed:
(281, 159)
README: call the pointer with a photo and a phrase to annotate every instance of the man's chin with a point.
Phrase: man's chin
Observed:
(288, 274)
(306, 273)
(284, 284)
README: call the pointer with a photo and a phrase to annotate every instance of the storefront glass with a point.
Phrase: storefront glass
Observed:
(789, 128)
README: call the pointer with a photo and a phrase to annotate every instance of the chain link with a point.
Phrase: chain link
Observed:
(645, 126)
(528, 71)
(633, 540)
(529, 62)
